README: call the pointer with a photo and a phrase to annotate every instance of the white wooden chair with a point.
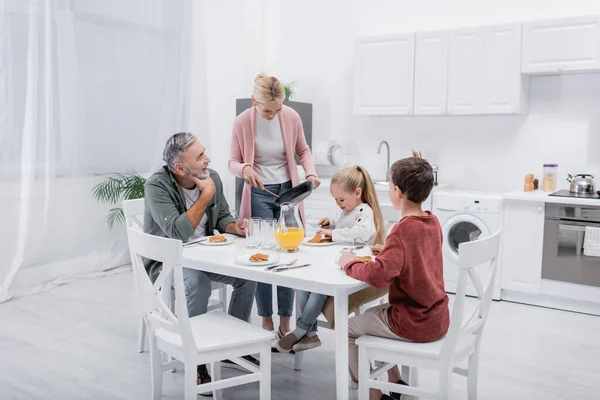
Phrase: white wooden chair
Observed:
(204, 339)
(134, 218)
(462, 341)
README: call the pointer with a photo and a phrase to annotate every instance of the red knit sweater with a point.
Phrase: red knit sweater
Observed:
(411, 265)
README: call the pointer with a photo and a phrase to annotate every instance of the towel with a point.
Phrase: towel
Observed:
(591, 241)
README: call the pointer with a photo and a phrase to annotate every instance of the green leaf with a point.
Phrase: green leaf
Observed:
(115, 215)
(115, 188)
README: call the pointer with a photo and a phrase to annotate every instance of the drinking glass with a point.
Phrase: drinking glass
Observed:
(268, 233)
(253, 233)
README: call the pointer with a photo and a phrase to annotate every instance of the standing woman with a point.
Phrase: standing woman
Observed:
(265, 139)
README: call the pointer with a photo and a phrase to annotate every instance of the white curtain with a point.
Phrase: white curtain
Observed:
(87, 87)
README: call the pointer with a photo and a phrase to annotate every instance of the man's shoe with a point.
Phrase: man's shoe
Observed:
(203, 377)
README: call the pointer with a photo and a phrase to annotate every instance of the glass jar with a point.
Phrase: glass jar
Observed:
(289, 233)
(550, 177)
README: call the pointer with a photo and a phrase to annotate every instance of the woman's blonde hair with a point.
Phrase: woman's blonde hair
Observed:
(268, 88)
(351, 178)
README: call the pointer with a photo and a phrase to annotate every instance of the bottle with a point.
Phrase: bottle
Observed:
(528, 183)
(550, 177)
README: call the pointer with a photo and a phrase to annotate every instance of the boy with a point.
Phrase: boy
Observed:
(411, 266)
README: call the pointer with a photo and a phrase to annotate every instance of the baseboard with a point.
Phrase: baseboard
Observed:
(554, 302)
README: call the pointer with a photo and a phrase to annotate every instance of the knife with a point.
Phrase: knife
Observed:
(274, 266)
(195, 241)
(294, 267)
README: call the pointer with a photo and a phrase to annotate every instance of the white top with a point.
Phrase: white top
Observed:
(270, 161)
(356, 224)
(190, 198)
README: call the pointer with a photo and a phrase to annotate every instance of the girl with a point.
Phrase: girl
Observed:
(361, 218)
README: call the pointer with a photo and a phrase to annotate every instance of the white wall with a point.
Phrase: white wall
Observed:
(315, 46)
(234, 56)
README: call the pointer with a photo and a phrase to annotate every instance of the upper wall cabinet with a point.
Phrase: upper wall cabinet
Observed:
(465, 69)
(504, 89)
(431, 73)
(561, 45)
(384, 75)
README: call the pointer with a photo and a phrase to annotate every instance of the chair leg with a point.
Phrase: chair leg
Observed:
(472, 375)
(445, 383)
(364, 370)
(156, 370)
(265, 369)
(141, 335)
(223, 297)
(191, 381)
(215, 372)
(406, 374)
(299, 355)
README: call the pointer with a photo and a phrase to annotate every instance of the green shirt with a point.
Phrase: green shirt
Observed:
(166, 215)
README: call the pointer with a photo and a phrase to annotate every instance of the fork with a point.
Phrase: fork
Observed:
(294, 261)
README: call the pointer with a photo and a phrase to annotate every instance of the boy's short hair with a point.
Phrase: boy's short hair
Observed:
(414, 177)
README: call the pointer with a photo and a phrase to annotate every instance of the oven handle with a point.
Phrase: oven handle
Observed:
(578, 224)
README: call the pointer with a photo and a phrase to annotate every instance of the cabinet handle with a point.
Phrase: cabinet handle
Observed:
(539, 209)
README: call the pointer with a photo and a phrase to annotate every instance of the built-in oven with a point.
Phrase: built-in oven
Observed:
(564, 236)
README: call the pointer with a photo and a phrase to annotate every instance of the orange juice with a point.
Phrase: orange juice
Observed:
(291, 239)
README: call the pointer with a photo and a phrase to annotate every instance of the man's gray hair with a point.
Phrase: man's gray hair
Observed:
(176, 146)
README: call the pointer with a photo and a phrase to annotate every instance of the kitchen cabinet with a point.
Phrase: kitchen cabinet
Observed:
(484, 74)
(431, 73)
(523, 239)
(465, 71)
(384, 75)
(571, 44)
(504, 89)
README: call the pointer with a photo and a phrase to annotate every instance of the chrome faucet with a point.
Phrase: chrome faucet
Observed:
(387, 166)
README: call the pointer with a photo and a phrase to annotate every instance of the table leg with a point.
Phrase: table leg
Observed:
(341, 345)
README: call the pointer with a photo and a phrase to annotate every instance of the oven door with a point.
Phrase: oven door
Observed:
(563, 258)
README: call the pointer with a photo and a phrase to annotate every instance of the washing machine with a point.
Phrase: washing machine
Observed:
(464, 217)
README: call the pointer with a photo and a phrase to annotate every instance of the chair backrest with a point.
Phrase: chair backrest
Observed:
(154, 298)
(471, 255)
(134, 213)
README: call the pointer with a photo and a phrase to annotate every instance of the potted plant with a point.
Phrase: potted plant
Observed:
(116, 188)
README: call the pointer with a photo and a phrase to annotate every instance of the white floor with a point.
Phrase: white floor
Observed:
(78, 342)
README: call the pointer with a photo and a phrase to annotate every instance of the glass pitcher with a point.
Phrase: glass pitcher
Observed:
(289, 233)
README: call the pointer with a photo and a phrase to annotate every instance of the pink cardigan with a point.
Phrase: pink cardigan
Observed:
(243, 144)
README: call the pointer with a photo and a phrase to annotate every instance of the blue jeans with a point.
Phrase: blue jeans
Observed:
(311, 305)
(263, 206)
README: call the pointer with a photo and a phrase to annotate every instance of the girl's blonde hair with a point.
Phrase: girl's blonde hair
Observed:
(351, 178)
(268, 88)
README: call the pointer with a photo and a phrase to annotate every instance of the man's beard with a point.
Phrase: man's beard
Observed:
(196, 174)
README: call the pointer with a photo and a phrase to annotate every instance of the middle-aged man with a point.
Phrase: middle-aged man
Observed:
(184, 200)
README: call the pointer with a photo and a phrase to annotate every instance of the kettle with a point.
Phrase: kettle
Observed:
(581, 183)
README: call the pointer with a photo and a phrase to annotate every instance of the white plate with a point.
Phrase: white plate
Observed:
(244, 259)
(230, 240)
(316, 244)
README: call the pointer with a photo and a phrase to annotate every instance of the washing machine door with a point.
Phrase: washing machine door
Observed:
(459, 229)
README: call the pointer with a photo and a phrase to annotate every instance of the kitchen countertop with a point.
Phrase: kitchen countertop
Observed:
(541, 196)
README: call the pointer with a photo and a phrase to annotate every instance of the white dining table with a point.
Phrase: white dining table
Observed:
(323, 276)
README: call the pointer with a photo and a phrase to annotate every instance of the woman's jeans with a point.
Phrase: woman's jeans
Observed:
(263, 206)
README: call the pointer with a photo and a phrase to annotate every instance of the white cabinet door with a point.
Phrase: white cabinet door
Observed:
(504, 90)
(431, 72)
(384, 75)
(571, 44)
(523, 241)
(465, 69)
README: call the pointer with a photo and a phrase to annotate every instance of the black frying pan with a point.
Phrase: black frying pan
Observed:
(295, 194)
